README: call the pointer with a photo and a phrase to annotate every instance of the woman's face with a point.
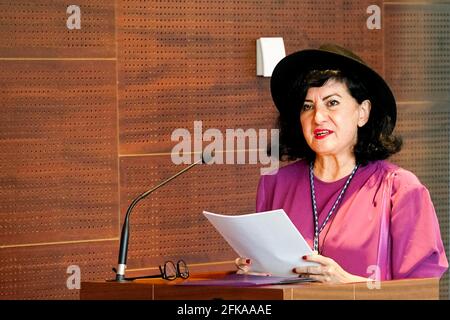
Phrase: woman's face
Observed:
(330, 118)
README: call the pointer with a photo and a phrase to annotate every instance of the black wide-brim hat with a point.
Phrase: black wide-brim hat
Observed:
(330, 56)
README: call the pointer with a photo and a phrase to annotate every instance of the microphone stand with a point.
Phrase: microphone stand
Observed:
(124, 237)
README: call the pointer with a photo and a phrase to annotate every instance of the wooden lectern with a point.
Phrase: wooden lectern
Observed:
(158, 289)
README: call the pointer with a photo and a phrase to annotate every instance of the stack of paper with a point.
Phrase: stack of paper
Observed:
(269, 239)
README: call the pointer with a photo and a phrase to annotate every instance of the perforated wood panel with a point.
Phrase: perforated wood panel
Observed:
(41, 272)
(169, 223)
(181, 61)
(58, 160)
(38, 29)
(417, 59)
(418, 50)
(368, 44)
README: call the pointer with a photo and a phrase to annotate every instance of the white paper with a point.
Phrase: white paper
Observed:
(269, 239)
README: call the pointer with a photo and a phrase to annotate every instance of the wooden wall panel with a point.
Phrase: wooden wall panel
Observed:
(41, 272)
(37, 28)
(417, 43)
(418, 51)
(58, 163)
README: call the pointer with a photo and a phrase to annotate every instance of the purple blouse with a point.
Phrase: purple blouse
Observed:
(385, 219)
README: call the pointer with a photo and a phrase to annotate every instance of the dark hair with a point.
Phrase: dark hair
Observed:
(375, 139)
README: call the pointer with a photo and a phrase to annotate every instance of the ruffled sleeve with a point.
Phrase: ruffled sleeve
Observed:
(261, 197)
(267, 188)
(417, 248)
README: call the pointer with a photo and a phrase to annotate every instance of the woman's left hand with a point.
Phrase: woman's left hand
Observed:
(328, 271)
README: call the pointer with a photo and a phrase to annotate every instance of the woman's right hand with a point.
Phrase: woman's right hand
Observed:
(244, 266)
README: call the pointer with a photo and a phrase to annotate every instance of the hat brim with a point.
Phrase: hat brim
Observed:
(291, 68)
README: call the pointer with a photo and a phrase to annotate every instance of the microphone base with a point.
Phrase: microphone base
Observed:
(120, 278)
(121, 281)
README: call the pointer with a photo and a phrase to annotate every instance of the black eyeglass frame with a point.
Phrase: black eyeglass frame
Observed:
(163, 271)
(180, 264)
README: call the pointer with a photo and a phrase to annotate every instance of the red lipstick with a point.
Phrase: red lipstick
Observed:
(322, 133)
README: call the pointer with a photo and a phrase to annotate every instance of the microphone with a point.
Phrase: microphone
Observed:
(123, 249)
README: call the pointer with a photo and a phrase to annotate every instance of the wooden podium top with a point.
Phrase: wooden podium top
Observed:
(158, 289)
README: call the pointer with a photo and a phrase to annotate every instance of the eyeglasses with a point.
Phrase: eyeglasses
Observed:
(169, 271)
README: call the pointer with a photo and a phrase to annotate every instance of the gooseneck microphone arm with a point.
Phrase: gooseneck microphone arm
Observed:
(123, 249)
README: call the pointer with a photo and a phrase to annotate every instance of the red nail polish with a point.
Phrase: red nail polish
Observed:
(305, 257)
(248, 261)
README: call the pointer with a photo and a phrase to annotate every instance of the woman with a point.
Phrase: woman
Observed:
(364, 216)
